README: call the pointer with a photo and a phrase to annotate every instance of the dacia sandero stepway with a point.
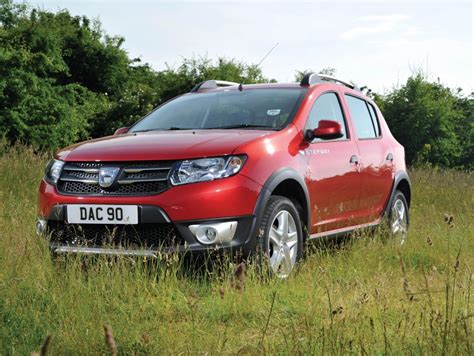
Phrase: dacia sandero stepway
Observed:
(232, 167)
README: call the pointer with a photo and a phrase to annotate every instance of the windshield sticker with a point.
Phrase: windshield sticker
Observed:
(273, 112)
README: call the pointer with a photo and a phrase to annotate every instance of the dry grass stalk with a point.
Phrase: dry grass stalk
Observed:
(338, 310)
(377, 293)
(457, 265)
(449, 219)
(239, 272)
(406, 286)
(268, 319)
(222, 292)
(239, 277)
(145, 338)
(363, 298)
(44, 348)
(109, 340)
(192, 302)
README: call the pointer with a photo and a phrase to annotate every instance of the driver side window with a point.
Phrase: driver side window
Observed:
(326, 107)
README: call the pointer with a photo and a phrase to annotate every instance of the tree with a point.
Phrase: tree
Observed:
(42, 101)
(427, 119)
(465, 129)
(62, 79)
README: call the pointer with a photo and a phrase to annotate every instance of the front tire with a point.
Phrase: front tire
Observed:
(282, 238)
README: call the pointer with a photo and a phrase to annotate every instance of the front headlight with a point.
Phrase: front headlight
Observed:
(53, 170)
(206, 169)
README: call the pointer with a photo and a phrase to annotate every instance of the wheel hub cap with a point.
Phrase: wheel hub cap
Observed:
(283, 244)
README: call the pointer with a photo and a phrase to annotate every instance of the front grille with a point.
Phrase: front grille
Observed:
(129, 236)
(134, 178)
(94, 189)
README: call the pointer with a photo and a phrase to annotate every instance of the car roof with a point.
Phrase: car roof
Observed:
(328, 85)
(256, 86)
(309, 81)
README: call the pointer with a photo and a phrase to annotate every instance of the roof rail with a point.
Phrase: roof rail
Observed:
(212, 84)
(313, 78)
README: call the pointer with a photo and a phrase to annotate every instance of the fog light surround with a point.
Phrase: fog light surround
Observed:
(41, 226)
(218, 233)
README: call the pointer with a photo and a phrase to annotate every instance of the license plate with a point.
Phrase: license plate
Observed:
(102, 214)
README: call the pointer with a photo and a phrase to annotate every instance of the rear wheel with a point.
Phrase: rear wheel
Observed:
(398, 217)
(282, 237)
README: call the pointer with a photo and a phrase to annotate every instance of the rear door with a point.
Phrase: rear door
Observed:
(375, 159)
(333, 180)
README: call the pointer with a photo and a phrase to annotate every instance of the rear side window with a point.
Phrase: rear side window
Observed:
(326, 107)
(362, 118)
(375, 120)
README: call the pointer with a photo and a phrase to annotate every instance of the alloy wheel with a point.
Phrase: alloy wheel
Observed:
(283, 244)
(399, 220)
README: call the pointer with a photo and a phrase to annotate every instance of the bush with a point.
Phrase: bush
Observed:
(433, 123)
(62, 79)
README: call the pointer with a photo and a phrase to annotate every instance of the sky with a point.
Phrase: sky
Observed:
(377, 43)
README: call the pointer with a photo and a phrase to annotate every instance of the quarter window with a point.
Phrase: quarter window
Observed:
(361, 118)
(326, 107)
(375, 120)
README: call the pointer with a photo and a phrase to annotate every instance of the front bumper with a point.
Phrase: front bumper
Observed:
(72, 238)
(231, 199)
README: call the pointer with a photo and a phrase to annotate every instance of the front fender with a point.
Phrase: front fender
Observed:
(272, 182)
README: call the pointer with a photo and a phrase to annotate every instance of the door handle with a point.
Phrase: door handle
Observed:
(389, 157)
(354, 159)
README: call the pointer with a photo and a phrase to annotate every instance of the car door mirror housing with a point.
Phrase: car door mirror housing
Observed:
(326, 130)
(121, 131)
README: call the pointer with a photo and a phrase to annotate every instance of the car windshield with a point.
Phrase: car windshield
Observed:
(269, 109)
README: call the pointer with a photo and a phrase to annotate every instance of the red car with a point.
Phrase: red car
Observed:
(231, 166)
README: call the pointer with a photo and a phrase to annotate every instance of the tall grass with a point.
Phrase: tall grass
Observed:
(367, 296)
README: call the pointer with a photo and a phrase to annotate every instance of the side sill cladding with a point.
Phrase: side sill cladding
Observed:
(283, 174)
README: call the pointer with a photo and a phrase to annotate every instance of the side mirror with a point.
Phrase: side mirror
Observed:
(121, 131)
(326, 130)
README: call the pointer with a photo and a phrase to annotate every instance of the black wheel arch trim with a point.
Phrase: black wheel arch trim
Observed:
(399, 176)
(269, 186)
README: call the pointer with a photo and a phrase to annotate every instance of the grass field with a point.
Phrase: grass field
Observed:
(365, 297)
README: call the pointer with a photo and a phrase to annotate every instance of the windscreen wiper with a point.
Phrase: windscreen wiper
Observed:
(243, 126)
(168, 129)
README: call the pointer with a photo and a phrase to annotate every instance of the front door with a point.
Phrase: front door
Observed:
(333, 179)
